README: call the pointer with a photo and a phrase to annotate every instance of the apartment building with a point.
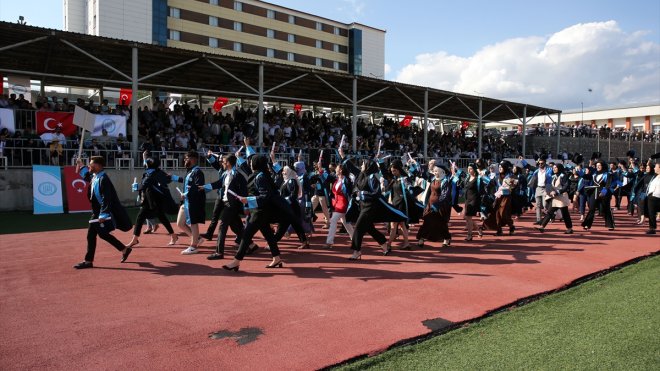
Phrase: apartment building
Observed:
(245, 29)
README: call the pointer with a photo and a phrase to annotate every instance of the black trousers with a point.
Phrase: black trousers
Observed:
(602, 204)
(145, 214)
(653, 204)
(363, 225)
(215, 216)
(564, 214)
(288, 218)
(257, 222)
(92, 231)
(230, 217)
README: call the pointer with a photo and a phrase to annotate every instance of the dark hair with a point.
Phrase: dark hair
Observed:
(560, 168)
(99, 160)
(193, 154)
(152, 163)
(231, 158)
(397, 164)
(259, 163)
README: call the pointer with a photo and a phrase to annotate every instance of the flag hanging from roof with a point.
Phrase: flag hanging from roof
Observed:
(219, 103)
(406, 121)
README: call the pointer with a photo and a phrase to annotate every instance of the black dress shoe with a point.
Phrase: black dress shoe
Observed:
(253, 247)
(512, 229)
(540, 229)
(206, 236)
(650, 231)
(84, 265)
(569, 231)
(226, 267)
(215, 256)
(125, 254)
(278, 265)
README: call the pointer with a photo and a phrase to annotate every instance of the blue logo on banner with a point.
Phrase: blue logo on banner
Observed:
(109, 125)
(47, 189)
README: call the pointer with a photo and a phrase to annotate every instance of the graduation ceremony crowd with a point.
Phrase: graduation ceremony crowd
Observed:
(382, 196)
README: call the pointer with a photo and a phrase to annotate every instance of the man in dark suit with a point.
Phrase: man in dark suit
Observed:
(107, 211)
(227, 208)
(193, 211)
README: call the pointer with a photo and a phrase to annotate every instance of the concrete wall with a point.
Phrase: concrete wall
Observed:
(16, 187)
(586, 146)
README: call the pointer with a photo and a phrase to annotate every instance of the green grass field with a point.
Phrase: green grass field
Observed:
(610, 323)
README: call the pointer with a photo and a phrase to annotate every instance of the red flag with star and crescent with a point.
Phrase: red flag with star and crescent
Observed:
(125, 97)
(48, 121)
(219, 103)
(76, 191)
(406, 121)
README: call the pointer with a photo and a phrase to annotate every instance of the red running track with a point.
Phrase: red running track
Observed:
(159, 309)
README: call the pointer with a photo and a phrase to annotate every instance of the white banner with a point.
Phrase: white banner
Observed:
(113, 124)
(20, 85)
(84, 119)
(47, 190)
(7, 119)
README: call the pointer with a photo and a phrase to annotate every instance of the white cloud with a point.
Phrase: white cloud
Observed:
(554, 71)
(353, 8)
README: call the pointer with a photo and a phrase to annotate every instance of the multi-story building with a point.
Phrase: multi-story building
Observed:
(248, 29)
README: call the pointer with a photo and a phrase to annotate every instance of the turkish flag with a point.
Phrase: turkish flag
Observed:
(465, 125)
(219, 103)
(125, 97)
(76, 191)
(297, 107)
(406, 121)
(48, 121)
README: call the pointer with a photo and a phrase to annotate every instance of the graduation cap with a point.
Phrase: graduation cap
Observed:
(596, 155)
(578, 159)
(656, 156)
(506, 164)
(631, 153)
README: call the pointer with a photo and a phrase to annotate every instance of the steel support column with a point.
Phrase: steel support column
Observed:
(558, 133)
(524, 131)
(426, 125)
(480, 126)
(134, 102)
(261, 104)
(354, 118)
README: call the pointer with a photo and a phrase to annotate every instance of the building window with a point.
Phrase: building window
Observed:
(319, 44)
(270, 53)
(270, 33)
(336, 31)
(238, 47)
(319, 26)
(238, 6)
(213, 42)
(335, 65)
(213, 21)
(292, 19)
(335, 48)
(292, 38)
(319, 62)
(290, 57)
(213, 2)
(175, 12)
(175, 35)
(270, 14)
(238, 27)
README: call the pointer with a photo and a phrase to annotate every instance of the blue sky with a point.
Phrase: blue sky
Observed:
(547, 53)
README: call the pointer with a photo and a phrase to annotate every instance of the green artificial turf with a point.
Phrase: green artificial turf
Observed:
(609, 323)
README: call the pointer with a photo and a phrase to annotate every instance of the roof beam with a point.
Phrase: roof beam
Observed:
(333, 88)
(96, 59)
(22, 43)
(286, 83)
(168, 69)
(373, 94)
(410, 99)
(232, 76)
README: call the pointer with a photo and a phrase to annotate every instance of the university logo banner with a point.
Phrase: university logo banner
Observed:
(113, 124)
(76, 191)
(48, 121)
(20, 85)
(47, 190)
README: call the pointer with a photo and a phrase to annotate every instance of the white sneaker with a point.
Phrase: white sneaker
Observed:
(189, 251)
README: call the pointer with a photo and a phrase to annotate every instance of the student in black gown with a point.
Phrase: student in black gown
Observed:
(474, 188)
(600, 197)
(373, 207)
(557, 190)
(107, 211)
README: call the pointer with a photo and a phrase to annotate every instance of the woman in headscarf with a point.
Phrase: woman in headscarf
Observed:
(155, 200)
(500, 187)
(402, 199)
(437, 211)
(262, 206)
(373, 207)
(558, 191)
(474, 187)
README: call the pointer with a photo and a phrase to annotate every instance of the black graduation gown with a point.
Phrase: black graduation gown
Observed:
(109, 205)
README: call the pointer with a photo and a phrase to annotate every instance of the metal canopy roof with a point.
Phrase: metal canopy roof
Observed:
(67, 58)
